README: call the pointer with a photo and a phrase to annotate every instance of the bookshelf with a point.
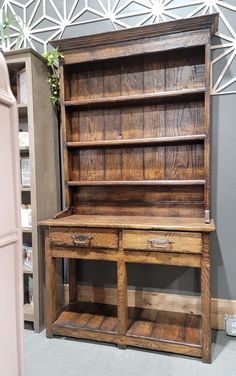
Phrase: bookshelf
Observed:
(136, 131)
(37, 117)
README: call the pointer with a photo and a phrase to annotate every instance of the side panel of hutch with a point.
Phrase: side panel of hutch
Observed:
(136, 119)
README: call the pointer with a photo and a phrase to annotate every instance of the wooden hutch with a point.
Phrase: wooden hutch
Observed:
(135, 107)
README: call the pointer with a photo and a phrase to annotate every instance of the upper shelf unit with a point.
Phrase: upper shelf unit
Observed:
(156, 76)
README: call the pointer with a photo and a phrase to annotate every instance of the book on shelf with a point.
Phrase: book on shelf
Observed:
(22, 93)
(25, 172)
(26, 217)
(23, 139)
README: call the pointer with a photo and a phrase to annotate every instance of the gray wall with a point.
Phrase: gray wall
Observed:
(224, 195)
(223, 130)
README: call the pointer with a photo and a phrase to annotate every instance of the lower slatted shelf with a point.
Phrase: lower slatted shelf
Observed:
(165, 326)
(88, 316)
(143, 324)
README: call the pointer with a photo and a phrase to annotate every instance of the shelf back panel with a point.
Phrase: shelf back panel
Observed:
(163, 201)
(176, 162)
(175, 118)
(136, 75)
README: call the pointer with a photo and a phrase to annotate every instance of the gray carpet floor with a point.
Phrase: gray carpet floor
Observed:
(65, 357)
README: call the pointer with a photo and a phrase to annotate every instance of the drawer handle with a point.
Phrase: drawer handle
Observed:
(160, 242)
(82, 239)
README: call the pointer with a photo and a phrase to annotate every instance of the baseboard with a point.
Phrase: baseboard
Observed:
(162, 301)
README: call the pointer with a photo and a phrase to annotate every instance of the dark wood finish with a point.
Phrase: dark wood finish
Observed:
(77, 183)
(139, 141)
(166, 326)
(136, 123)
(182, 26)
(138, 98)
(72, 281)
(206, 301)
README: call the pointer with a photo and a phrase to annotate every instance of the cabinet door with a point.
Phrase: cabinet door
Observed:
(11, 313)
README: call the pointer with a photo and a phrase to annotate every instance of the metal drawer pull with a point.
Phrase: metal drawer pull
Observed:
(82, 239)
(160, 242)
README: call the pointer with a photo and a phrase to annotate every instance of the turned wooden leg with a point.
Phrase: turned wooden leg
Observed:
(206, 301)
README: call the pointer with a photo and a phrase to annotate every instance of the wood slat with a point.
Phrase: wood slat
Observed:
(166, 326)
(88, 316)
(135, 98)
(135, 182)
(143, 141)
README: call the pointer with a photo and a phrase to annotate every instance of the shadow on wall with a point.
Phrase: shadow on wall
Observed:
(223, 197)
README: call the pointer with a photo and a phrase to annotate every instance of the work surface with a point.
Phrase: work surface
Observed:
(155, 223)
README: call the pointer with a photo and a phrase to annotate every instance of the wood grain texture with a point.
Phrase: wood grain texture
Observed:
(180, 201)
(157, 301)
(136, 108)
(184, 26)
(206, 301)
(122, 297)
(73, 281)
(68, 237)
(138, 222)
(168, 241)
(161, 96)
(138, 47)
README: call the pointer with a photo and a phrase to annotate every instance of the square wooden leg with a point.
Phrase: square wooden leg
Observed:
(50, 287)
(206, 301)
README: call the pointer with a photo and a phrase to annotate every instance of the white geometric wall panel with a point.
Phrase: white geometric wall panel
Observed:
(44, 20)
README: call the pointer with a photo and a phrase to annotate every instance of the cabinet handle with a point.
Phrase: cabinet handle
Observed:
(82, 239)
(160, 242)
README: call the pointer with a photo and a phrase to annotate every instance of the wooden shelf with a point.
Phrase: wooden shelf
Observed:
(165, 326)
(138, 141)
(25, 189)
(22, 110)
(78, 183)
(26, 229)
(27, 270)
(28, 312)
(89, 316)
(24, 150)
(146, 98)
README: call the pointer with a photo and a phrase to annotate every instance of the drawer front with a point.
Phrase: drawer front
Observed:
(184, 242)
(84, 237)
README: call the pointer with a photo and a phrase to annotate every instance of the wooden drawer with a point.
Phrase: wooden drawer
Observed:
(185, 242)
(84, 237)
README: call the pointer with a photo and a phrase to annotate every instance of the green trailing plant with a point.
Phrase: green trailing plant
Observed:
(8, 23)
(52, 57)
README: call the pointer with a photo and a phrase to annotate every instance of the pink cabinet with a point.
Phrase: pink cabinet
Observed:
(11, 290)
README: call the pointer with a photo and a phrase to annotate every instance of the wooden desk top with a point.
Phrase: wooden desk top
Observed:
(135, 222)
